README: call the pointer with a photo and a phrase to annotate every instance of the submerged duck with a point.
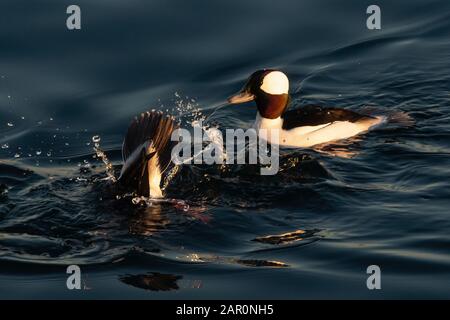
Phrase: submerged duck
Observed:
(146, 152)
(306, 126)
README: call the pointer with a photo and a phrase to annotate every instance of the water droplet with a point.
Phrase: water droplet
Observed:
(100, 154)
(5, 146)
(96, 139)
(38, 153)
(17, 155)
(9, 124)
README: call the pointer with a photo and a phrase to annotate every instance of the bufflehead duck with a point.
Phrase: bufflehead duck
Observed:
(146, 152)
(307, 126)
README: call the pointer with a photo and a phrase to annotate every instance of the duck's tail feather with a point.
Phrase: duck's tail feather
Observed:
(146, 152)
(401, 119)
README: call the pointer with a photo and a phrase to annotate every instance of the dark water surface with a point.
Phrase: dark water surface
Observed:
(309, 232)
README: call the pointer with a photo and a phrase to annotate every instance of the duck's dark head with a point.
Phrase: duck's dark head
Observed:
(270, 90)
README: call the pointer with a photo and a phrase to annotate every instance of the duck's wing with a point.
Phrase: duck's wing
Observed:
(314, 115)
(148, 136)
(134, 173)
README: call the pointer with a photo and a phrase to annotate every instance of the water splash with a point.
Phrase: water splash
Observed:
(188, 109)
(190, 114)
(215, 109)
(179, 204)
(190, 210)
(101, 154)
(170, 176)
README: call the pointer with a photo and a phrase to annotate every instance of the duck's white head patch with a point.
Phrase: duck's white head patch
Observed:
(275, 82)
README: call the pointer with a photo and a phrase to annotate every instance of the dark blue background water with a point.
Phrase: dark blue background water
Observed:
(388, 205)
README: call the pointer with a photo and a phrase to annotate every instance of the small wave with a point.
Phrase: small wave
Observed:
(153, 281)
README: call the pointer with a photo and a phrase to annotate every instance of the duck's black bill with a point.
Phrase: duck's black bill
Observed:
(241, 97)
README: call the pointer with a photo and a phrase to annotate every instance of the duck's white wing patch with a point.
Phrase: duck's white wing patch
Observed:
(275, 82)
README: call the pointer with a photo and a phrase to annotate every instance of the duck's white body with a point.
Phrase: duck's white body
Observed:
(308, 136)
